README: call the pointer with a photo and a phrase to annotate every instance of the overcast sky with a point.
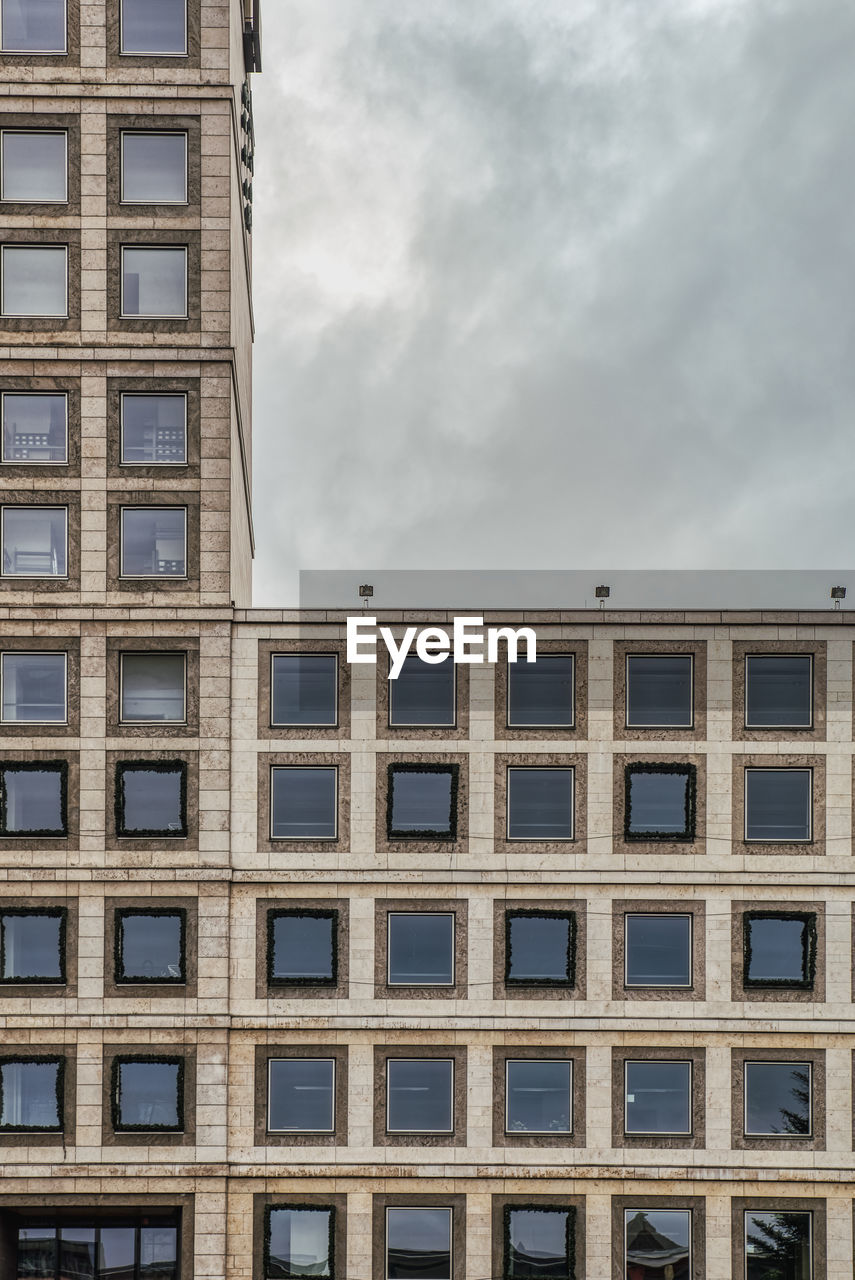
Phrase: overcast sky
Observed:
(553, 284)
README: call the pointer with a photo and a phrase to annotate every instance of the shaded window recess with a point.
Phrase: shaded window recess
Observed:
(302, 948)
(422, 801)
(540, 948)
(148, 1094)
(779, 949)
(34, 799)
(660, 802)
(32, 945)
(150, 945)
(151, 798)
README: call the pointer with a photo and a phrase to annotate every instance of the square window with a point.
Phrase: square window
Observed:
(301, 1095)
(154, 542)
(35, 542)
(658, 1242)
(421, 949)
(154, 168)
(780, 949)
(150, 945)
(34, 799)
(779, 691)
(34, 280)
(35, 427)
(778, 804)
(152, 688)
(303, 803)
(423, 693)
(658, 1097)
(422, 801)
(156, 27)
(778, 1100)
(148, 1095)
(538, 1241)
(658, 691)
(660, 802)
(778, 1244)
(33, 166)
(540, 804)
(420, 1095)
(658, 950)
(153, 429)
(32, 26)
(304, 689)
(34, 688)
(299, 1241)
(154, 280)
(32, 946)
(540, 948)
(31, 1095)
(151, 798)
(418, 1243)
(541, 693)
(302, 948)
(538, 1095)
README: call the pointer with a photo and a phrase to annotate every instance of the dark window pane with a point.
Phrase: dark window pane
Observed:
(418, 1244)
(778, 1099)
(303, 803)
(658, 1244)
(147, 1095)
(34, 542)
(539, 948)
(541, 692)
(660, 803)
(153, 687)
(36, 1253)
(154, 429)
(304, 688)
(658, 1097)
(35, 427)
(150, 947)
(154, 168)
(423, 693)
(154, 542)
(539, 1096)
(154, 280)
(778, 949)
(29, 1095)
(33, 26)
(302, 1095)
(299, 1243)
(78, 1253)
(118, 1251)
(421, 949)
(158, 1253)
(302, 948)
(778, 1246)
(33, 166)
(32, 947)
(537, 1244)
(422, 802)
(658, 951)
(540, 804)
(33, 801)
(151, 800)
(153, 26)
(420, 1095)
(659, 690)
(34, 280)
(777, 804)
(778, 690)
(34, 688)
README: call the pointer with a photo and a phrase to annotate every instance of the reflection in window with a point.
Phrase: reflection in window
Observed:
(422, 801)
(154, 280)
(778, 1246)
(420, 1095)
(35, 427)
(152, 688)
(154, 168)
(301, 1095)
(303, 689)
(778, 1099)
(33, 166)
(418, 1243)
(780, 948)
(658, 950)
(540, 804)
(30, 1094)
(154, 542)
(421, 948)
(658, 691)
(147, 1094)
(34, 280)
(150, 945)
(32, 945)
(33, 799)
(778, 804)
(658, 1097)
(303, 803)
(109, 1250)
(423, 693)
(156, 27)
(151, 799)
(299, 1241)
(540, 948)
(154, 429)
(538, 1095)
(538, 1242)
(34, 688)
(540, 694)
(32, 26)
(35, 542)
(779, 691)
(660, 802)
(658, 1244)
(302, 947)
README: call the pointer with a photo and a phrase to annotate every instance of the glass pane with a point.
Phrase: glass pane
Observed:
(117, 1253)
(34, 688)
(153, 687)
(154, 429)
(151, 801)
(36, 1253)
(158, 1253)
(657, 804)
(33, 801)
(778, 690)
(778, 1098)
(148, 1094)
(154, 280)
(303, 948)
(658, 1244)
(304, 688)
(153, 26)
(423, 693)
(301, 1097)
(34, 280)
(539, 1096)
(150, 947)
(30, 1095)
(777, 804)
(658, 1097)
(154, 168)
(33, 26)
(33, 166)
(34, 542)
(540, 804)
(303, 803)
(541, 692)
(778, 1246)
(77, 1253)
(35, 427)
(659, 951)
(418, 1244)
(31, 947)
(659, 690)
(299, 1243)
(537, 1244)
(421, 949)
(776, 950)
(539, 948)
(421, 802)
(420, 1095)
(154, 542)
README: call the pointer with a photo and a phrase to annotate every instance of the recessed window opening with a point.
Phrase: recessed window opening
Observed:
(34, 687)
(35, 427)
(154, 429)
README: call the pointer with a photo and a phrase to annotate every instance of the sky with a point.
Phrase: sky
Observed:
(553, 284)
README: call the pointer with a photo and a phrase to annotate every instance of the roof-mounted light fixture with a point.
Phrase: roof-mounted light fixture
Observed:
(602, 594)
(838, 594)
(366, 591)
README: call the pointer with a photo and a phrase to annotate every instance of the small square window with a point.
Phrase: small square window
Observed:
(34, 799)
(420, 1095)
(422, 801)
(31, 1095)
(148, 1095)
(423, 693)
(778, 1244)
(153, 429)
(421, 949)
(34, 688)
(153, 688)
(154, 280)
(150, 945)
(779, 691)
(658, 1097)
(541, 693)
(35, 542)
(658, 1242)
(33, 166)
(301, 1095)
(35, 427)
(660, 802)
(658, 950)
(539, 1241)
(34, 281)
(778, 1100)
(780, 949)
(538, 1095)
(302, 948)
(32, 946)
(32, 26)
(540, 948)
(299, 1241)
(304, 689)
(540, 804)
(658, 691)
(418, 1243)
(303, 803)
(778, 804)
(154, 542)
(151, 798)
(154, 168)
(154, 27)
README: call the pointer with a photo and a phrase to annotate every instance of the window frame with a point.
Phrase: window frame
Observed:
(394, 1133)
(809, 1214)
(325, 768)
(566, 984)
(549, 1133)
(38, 53)
(31, 199)
(37, 506)
(43, 1059)
(326, 1132)
(28, 246)
(519, 724)
(800, 728)
(119, 916)
(451, 915)
(424, 835)
(319, 724)
(148, 395)
(570, 1238)
(640, 1208)
(33, 653)
(451, 724)
(686, 769)
(31, 462)
(180, 1084)
(323, 913)
(158, 315)
(659, 1133)
(313, 1207)
(152, 53)
(126, 765)
(449, 1209)
(150, 653)
(530, 839)
(60, 913)
(659, 986)
(690, 726)
(750, 1134)
(153, 577)
(36, 766)
(160, 133)
(791, 840)
(809, 950)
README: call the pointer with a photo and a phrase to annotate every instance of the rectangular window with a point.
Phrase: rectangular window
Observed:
(539, 1241)
(35, 427)
(778, 1245)
(540, 804)
(420, 1095)
(154, 27)
(31, 1095)
(658, 1097)
(304, 689)
(658, 950)
(778, 804)
(659, 691)
(150, 945)
(111, 1250)
(421, 949)
(658, 1243)
(301, 1095)
(418, 1243)
(302, 948)
(33, 166)
(153, 429)
(154, 280)
(538, 1095)
(34, 280)
(151, 798)
(152, 688)
(422, 801)
(154, 542)
(541, 694)
(35, 542)
(299, 1241)
(659, 802)
(32, 946)
(33, 799)
(540, 948)
(154, 168)
(304, 803)
(32, 26)
(779, 691)
(423, 693)
(780, 948)
(778, 1100)
(34, 688)
(148, 1095)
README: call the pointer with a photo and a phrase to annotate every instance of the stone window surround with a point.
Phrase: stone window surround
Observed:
(266, 650)
(459, 908)
(69, 59)
(659, 848)
(504, 1053)
(49, 237)
(154, 122)
(70, 499)
(130, 755)
(141, 238)
(48, 122)
(298, 991)
(739, 993)
(262, 1200)
(458, 1135)
(402, 844)
(541, 760)
(49, 990)
(48, 470)
(695, 1204)
(502, 1202)
(623, 907)
(579, 730)
(268, 761)
(122, 1138)
(815, 847)
(191, 61)
(501, 906)
(118, 470)
(34, 1050)
(817, 649)
(71, 840)
(744, 1142)
(695, 1140)
(293, 1049)
(118, 645)
(70, 645)
(147, 499)
(125, 991)
(739, 1205)
(407, 1200)
(422, 732)
(697, 649)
